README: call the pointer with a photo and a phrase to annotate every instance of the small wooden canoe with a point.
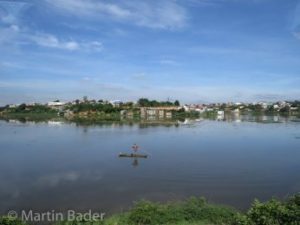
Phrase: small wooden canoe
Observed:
(132, 155)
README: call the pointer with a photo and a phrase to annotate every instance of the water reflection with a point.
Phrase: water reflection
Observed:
(134, 161)
(151, 122)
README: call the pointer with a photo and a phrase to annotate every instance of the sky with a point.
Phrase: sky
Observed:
(196, 51)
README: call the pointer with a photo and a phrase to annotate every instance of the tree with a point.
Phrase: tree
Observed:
(177, 103)
(143, 102)
(128, 104)
(285, 109)
(22, 107)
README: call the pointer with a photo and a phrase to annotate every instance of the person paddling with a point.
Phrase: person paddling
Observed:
(134, 154)
(135, 147)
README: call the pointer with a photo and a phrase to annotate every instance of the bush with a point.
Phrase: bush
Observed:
(197, 211)
(193, 207)
(273, 212)
(10, 221)
(146, 212)
(192, 210)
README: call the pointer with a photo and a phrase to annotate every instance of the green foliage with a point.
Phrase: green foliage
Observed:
(97, 107)
(273, 212)
(196, 211)
(128, 104)
(285, 109)
(23, 108)
(145, 212)
(10, 221)
(295, 103)
(144, 102)
(182, 114)
(270, 213)
(256, 108)
(3, 108)
(192, 210)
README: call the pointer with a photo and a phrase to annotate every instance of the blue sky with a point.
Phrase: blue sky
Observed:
(191, 50)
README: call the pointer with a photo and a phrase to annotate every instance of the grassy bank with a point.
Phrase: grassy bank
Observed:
(196, 211)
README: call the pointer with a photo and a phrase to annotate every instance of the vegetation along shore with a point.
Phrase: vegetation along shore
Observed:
(197, 211)
(93, 110)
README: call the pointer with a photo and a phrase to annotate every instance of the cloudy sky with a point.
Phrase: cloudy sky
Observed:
(191, 50)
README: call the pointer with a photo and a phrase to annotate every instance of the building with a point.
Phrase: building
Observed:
(193, 107)
(159, 112)
(56, 105)
(12, 106)
(116, 103)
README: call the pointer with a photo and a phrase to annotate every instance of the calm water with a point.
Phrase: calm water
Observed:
(61, 166)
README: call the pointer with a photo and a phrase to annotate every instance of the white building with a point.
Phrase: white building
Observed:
(55, 104)
(13, 106)
(116, 102)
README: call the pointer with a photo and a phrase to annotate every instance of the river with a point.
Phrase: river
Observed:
(61, 166)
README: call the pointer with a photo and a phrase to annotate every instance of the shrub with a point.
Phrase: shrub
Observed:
(10, 221)
(146, 212)
(192, 210)
(273, 212)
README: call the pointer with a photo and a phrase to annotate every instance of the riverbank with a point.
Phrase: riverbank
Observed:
(95, 112)
(197, 211)
(95, 117)
(181, 118)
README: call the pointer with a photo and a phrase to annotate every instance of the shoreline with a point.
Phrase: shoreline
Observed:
(90, 120)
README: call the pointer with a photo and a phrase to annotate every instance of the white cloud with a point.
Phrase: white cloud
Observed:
(205, 3)
(12, 32)
(295, 22)
(14, 35)
(296, 16)
(11, 10)
(6, 64)
(168, 62)
(51, 41)
(8, 34)
(94, 45)
(89, 7)
(15, 28)
(297, 35)
(161, 14)
(153, 14)
(139, 76)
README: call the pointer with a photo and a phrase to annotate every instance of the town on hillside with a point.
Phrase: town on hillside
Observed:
(145, 108)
